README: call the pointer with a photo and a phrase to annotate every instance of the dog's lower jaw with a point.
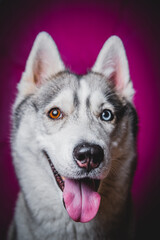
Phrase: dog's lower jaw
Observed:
(80, 197)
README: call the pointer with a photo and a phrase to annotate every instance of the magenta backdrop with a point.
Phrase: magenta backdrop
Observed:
(79, 29)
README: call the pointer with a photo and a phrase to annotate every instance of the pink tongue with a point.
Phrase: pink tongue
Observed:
(81, 201)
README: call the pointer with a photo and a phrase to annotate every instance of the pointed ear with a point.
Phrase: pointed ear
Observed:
(43, 62)
(112, 62)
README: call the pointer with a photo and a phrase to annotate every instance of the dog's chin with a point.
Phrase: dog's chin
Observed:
(80, 196)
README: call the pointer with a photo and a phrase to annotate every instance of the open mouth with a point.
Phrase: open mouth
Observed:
(57, 176)
(80, 196)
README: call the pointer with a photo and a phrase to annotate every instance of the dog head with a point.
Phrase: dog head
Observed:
(81, 125)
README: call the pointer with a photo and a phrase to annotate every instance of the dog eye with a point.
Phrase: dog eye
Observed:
(55, 113)
(106, 115)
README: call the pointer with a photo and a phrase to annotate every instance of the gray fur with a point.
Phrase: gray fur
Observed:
(39, 212)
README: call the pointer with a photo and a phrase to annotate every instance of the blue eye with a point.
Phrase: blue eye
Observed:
(106, 115)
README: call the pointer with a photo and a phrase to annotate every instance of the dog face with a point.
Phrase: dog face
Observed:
(78, 123)
(85, 115)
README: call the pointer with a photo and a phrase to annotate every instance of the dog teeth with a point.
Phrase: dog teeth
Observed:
(59, 179)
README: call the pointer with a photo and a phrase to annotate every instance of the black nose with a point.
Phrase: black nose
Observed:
(88, 155)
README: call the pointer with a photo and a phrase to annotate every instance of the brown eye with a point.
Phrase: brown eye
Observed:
(55, 113)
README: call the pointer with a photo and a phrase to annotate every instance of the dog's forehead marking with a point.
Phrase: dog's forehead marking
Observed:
(83, 96)
(90, 95)
(84, 91)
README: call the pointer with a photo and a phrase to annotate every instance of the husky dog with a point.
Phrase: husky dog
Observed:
(74, 147)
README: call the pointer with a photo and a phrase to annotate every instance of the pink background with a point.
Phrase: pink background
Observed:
(79, 29)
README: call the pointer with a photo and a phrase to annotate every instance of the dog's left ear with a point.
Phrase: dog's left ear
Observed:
(112, 62)
(43, 62)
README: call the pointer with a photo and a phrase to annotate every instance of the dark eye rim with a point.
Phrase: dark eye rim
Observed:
(60, 116)
(111, 115)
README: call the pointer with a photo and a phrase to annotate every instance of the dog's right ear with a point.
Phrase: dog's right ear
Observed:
(43, 62)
